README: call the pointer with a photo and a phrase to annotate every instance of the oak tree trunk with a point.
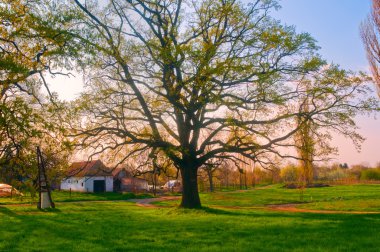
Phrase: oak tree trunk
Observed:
(190, 195)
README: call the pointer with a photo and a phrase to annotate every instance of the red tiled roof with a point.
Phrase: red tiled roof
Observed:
(8, 190)
(88, 169)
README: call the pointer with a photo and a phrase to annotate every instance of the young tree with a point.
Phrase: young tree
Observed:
(35, 41)
(305, 145)
(27, 126)
(210, 168)
(180, 76)
(327, 88)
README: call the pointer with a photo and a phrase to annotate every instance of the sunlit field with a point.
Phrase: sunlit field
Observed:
(360, 197)
(229, 221)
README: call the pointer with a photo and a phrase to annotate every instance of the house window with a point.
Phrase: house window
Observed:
(82, 184)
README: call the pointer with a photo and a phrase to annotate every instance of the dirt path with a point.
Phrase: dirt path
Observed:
(61, 202)
(18, 204)
(293, 209)
(280, 208)
(148, 201)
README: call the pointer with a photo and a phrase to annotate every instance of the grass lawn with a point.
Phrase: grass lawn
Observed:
(359, 197)
(65, 196)
(123, 226)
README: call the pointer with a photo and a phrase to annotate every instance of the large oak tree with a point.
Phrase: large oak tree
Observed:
(195, 81)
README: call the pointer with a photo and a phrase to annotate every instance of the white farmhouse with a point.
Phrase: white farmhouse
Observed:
(88, 176)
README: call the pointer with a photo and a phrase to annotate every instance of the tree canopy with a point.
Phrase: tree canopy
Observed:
(194, 81)
(34, 42)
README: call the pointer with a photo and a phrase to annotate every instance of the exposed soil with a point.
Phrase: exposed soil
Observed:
(280, 207)
(296, 186)
(292, 208)
(148, 201)
(17, 204)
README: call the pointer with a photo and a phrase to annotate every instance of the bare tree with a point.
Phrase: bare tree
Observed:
(370, 33)
(197, 80)
(210, 168)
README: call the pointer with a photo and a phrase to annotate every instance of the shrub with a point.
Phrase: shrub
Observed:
(289, 174)
(370, 174)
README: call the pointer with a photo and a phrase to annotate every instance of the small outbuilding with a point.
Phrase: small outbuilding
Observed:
(125, 182)
(173, 185)
(88, 176)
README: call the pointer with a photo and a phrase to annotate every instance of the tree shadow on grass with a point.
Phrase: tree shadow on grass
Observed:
(263, 230)
(6, 211)
(225, 211)
(26, 225)
(26, 211)
(264, 212)
(50, 210)
(223, 229)
(233, 212)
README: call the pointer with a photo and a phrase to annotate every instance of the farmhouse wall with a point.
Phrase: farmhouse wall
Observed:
(89, 184)
(73, 183)
(85, 184)
(134, 184)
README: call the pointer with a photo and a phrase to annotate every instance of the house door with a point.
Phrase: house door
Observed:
(99, 186)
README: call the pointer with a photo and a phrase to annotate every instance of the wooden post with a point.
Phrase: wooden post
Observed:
(45, 200)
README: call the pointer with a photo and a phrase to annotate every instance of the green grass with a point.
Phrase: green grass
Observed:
(344, 198)
(65, 196)
(123, 226)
